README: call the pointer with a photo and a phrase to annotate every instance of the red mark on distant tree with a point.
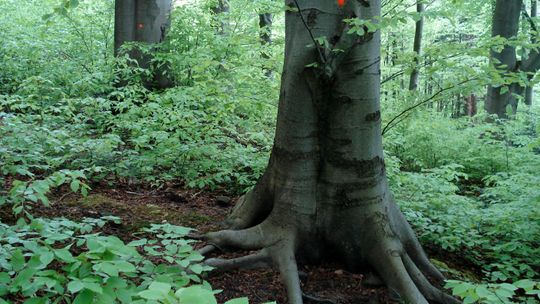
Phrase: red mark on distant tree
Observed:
(341, 3)
(140, 26)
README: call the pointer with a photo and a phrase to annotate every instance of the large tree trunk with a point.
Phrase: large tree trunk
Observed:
(505, 24)
(417, 45)
(325, 194)
(142, 21)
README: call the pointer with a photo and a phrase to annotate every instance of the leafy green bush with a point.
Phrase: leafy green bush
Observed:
(52, 261)
(522, 291)
(473, 190)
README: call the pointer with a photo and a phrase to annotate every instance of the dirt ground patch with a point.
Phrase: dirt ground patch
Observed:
(204, 211)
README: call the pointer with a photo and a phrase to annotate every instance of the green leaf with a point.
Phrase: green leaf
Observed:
(238, 301)
(159, 286)
(152, 295)
(64, 255)
(17, 260)
(196, 268)
(483, 292)
(74, 185)
(525, 284)
(75, 286)
(124, 266)
(5, 278)
(37, 301)
(23, 278)
(84, 297)
(73, 3)
(196, 295)
(108, 268)
(137, 243)
(95, 287)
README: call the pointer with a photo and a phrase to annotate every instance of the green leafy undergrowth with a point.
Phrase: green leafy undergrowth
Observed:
(522, 291)
(61, 261)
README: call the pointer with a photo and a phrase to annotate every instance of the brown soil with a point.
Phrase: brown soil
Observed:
(204, 211)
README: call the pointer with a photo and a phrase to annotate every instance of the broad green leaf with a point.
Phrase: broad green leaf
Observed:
(75, 286)
(64, 255)
(238, 301)
(152, 295)
(196, 295)
(84, 297)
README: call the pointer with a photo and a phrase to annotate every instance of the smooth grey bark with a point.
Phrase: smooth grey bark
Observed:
(417, 45)
(141, 21)
(505, 24)
(325, 194)
(144, 21)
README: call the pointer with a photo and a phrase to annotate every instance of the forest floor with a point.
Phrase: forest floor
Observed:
(203, 211)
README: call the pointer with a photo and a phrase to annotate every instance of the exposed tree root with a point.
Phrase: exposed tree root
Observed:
(432, 293)
(393, 250)
(412, 245)
(316, 299)
(255, 260)
(283, 255)
(207, 249)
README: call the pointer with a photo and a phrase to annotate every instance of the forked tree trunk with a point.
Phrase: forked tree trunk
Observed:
(142, 21)
(506, 25)
(325, 195)
(417, 45)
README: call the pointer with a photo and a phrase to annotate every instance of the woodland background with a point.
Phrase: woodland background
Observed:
(469, 185)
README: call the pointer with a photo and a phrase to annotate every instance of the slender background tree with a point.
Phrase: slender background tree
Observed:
(417, 47)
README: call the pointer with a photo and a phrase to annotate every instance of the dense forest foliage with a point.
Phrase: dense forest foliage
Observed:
(74, 118)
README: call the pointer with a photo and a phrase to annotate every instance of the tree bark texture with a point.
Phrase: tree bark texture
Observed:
(142, 21)
(505, 24)
(417, 47)
(325, 194)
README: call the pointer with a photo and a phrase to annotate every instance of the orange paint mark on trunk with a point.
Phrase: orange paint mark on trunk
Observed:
(341, 3)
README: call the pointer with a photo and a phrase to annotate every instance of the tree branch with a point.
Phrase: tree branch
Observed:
(393, 122)
(322, 58)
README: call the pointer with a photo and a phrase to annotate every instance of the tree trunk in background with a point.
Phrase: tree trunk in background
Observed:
(470, 102)
(221, 8)
(505, 24)
(325, 194)
(142, 21)
(265, 24)
(265, 36)
(529, 90)
(417, 48)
